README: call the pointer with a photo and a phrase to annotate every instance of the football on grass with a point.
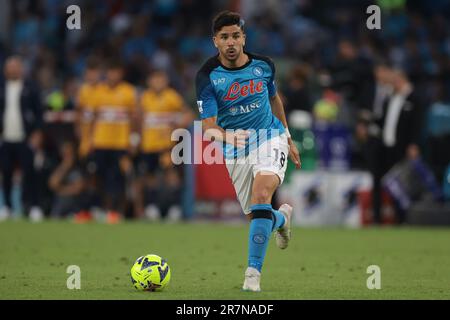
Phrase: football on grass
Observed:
(150, 273)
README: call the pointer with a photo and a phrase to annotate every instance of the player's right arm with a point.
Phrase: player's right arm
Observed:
(208, 109)
(217, 133)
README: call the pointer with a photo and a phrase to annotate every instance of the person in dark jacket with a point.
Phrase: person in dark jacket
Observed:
(20, 122)
(402, 121)
(401, 125)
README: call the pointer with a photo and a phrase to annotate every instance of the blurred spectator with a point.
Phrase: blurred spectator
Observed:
(438, 132)
(327, 108)
(67, 183)
(165, 196)
(365, 146)
(296, 94)
(44, 162)
(401, 127)
(163, 110)
(20, 122)
(367, 143)
(85, 109)
(115, 108)
(365, 154)
(85, 105)
(60, 116)
(402, 121)
(132, 194)
(378, 91)
(350, 71)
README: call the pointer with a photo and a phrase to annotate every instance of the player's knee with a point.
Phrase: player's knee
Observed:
(262, 196)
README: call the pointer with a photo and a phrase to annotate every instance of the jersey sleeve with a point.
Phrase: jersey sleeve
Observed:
(206, 98)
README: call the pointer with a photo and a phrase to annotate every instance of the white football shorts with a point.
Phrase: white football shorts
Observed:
(270, 156)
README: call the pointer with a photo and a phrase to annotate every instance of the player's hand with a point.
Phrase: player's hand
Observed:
(237, 138)
(294, 154)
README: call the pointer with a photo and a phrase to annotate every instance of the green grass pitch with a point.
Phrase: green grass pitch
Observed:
(208, 261)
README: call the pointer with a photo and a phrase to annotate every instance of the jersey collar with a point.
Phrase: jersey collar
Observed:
(238, 68)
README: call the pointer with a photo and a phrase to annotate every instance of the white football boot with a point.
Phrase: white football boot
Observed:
(252, 278)
(283, 235)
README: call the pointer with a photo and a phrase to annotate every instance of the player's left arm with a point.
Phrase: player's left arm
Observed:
(278, 111)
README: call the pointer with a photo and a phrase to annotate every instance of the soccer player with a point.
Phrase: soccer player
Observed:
(115, 109)
(239, 105)
(85, 106)
(163, 109)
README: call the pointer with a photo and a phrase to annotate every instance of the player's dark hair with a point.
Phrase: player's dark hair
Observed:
(92, 63)
(227, 18)
(158, 71)
(114, 63)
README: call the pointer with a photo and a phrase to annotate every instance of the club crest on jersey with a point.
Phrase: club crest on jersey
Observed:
(258, 71)
(236, 91)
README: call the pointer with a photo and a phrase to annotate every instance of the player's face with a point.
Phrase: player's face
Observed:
(230, 41)
(114, 76)
(92, 75)
(158, 81)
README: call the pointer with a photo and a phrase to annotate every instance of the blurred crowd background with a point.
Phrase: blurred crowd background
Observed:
(98, 104)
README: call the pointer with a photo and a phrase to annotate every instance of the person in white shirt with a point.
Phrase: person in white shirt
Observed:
(401, 126)
(402, 121)
(20, 122)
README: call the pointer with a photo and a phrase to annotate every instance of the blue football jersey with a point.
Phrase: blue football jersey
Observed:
(240, 98)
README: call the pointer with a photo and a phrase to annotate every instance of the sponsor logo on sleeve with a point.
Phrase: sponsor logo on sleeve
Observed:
(200, 106)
